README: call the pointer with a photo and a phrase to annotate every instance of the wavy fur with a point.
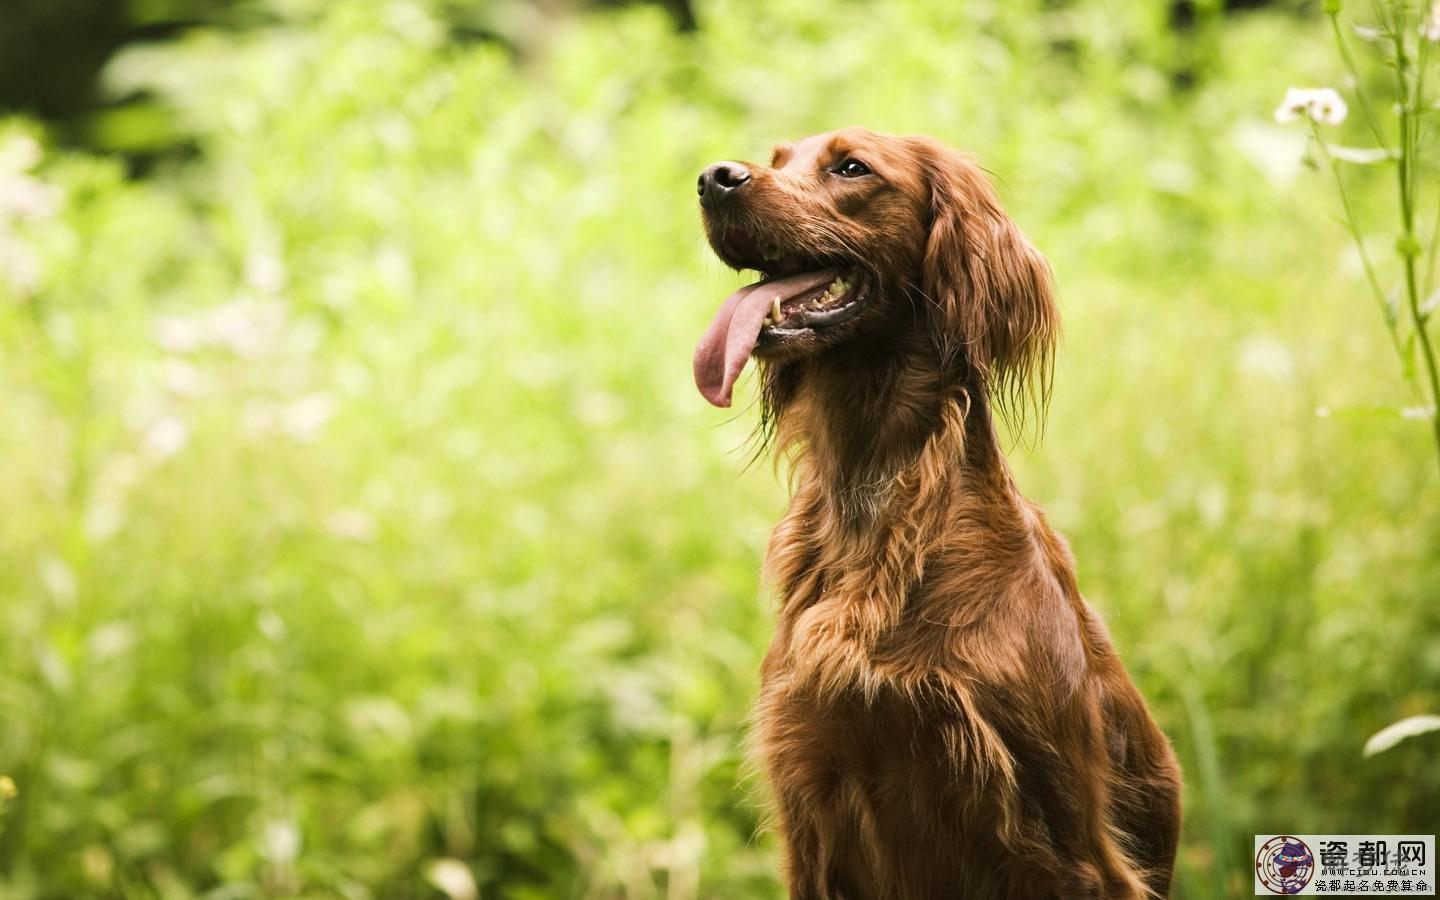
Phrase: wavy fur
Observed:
(941, 714)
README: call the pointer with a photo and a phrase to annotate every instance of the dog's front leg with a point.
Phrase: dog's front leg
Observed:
(810, 856)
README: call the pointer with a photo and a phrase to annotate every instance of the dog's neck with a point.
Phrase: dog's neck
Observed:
(894, 467)
(864, 424)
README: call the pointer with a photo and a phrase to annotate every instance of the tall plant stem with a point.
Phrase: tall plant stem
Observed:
(1370, 117)
(1352, 224)
(1409, 247)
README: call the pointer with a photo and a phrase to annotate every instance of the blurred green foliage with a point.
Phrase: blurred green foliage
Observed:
(361, 533)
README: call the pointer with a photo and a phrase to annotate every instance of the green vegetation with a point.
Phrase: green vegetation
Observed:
(362, 534)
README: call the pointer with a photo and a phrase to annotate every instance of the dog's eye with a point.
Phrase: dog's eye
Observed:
(852, 168)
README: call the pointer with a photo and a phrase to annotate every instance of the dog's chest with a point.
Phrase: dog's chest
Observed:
(892, 781)
(888, 743)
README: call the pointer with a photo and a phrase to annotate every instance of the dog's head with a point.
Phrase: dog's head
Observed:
(858, 235)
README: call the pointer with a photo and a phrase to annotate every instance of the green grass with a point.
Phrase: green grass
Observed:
(358, 512)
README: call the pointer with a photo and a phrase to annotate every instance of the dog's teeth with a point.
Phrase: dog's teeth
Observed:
(775, 309)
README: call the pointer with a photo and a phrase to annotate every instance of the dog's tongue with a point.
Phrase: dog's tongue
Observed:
(733, 332)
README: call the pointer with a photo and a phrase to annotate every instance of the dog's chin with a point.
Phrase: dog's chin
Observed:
(783, 344)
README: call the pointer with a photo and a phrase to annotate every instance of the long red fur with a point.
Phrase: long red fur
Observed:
(941, 714)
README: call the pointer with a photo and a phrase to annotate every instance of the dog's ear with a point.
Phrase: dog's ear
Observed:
(994, 291)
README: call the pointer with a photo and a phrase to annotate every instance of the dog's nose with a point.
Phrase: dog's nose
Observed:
(720, 180)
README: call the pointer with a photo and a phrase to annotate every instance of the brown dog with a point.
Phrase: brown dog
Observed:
(942, 715)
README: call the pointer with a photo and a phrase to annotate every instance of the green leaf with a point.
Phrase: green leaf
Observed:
(1393, 734)
(1362, 156)
(1372, 411)
(1428, 305)
(452, 878)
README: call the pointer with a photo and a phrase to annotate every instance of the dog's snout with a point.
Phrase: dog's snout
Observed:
(720, 180)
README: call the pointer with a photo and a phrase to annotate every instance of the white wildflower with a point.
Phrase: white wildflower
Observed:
(453, 879)
(1295, 102)
(23, 197)
(1328, 107)
(1264, 357)
(58, 578)
(352, 524)
(271, 625)
(166, 437)
(259, 419)
(265, 272)
(1323, 105)
(26, 197)
(304, 418)
(1430, 25)
(112, 639)
(19, 153)
(178, 334)
(104, 518)
(181, 378)
(280, 841)
(244, 326)
(19, 264)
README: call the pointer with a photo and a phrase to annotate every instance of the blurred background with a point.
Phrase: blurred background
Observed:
(362, 533)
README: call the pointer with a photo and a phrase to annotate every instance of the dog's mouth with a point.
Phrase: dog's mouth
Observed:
(819, 307)
(795, 298)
